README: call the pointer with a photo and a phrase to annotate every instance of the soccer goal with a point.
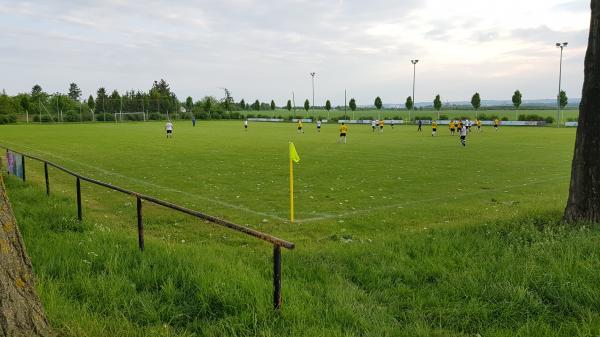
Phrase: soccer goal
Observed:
(138, 116)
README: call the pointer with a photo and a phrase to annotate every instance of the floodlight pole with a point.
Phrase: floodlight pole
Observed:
(313, 90)
(414, 63)
(345, 105)
(561, 46)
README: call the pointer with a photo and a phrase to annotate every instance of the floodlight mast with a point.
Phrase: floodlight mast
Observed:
(558, 107)
(414, 63)
(313, 90)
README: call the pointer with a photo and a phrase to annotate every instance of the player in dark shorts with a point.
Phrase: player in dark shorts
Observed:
(420, 124)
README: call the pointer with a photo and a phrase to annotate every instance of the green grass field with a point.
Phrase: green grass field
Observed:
(404, 114)
(398, 233)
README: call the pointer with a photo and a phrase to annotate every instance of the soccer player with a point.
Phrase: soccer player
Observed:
(193, 120)
(463, 135)
(433, 128)
(452, 127)
(300, 126)
(467, 124)
(460, 125)
(373, 125)
(381, 122)
(343, 132)
(496, 124)
(392, 123)
(319, 125)
(246, 124)
(420, 124)
(478, 125)
(169, 129)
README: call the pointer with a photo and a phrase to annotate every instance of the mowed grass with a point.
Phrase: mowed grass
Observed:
(398, 233)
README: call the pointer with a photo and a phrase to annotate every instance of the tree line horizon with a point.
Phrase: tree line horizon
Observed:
(160, 99)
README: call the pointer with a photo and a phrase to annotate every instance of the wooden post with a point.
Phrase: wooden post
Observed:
(46, 176)
(276, 277)
(79, 215)
(140, 224)
(23, 165)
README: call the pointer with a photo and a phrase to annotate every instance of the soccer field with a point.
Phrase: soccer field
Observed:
(397, 233)
(398, 177)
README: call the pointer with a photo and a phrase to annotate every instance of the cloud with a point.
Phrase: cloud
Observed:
(266, 48)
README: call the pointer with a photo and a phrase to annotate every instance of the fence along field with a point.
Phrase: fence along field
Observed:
(277, 243)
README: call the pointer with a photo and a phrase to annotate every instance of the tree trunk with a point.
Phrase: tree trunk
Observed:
(21, 313)
(583, 204)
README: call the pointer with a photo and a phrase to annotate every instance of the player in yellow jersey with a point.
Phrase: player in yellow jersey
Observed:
(478, 122)
(300, 126)
(381, 123)
(433, 128)
(460, 124)
(452, 127)
(496, 124)
(343, 132)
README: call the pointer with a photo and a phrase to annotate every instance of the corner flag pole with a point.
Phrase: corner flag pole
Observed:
(293, 158)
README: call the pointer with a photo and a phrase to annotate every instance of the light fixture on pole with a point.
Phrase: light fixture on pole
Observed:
(414, 63)
(561, 46)
(313, 89)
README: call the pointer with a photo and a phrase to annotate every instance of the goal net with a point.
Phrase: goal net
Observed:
(138, 116)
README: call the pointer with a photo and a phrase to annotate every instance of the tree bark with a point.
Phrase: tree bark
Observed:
(21, 313)
(583, 204)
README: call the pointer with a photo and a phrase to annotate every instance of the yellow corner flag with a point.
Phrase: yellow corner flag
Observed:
(293, 158)
(293, 154)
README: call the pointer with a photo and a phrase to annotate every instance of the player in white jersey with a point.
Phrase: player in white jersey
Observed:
(246, 125)
(319, 125)
(373, 125)
(463, 135)
(169, 129)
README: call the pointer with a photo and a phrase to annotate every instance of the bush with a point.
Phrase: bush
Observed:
(549, 119)
(443, 117)
(423, 118)
(366, 118)
(250, 116)
(71, 116)
(235, 115)
(6, 119)
(154, 116)
(504, 119)
(104, 117)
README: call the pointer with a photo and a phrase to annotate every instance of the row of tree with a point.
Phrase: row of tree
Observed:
(160, 99)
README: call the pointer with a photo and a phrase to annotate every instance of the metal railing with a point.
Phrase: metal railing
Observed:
(276, 242)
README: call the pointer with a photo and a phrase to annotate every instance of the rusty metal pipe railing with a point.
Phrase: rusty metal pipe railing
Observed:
(275, 241)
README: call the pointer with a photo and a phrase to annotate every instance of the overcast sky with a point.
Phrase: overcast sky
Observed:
(266, 49)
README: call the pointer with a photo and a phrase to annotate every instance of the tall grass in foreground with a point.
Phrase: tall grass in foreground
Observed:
(529, 276)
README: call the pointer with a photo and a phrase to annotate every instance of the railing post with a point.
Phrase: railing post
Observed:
(46, 176)
(140, 224)
(79, 216)
(23, 165)
(276, 277)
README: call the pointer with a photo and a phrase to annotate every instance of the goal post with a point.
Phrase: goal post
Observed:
(136, 116)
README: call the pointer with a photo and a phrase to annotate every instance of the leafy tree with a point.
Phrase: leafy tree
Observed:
(583, 204)
(161, 88)
(306, 105)
(90, 102)
(476, 101)
(36, 91)
(247, 106)
(563, 99)
(327, 105)
(517, 99)
(378, 103)
(243, 104)
(74, 92)
(437, 103)
(189, 104)
(409, 103)
(227, 101)
(289, 105)
(273, 105)
(352, 104)
(256, 105)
